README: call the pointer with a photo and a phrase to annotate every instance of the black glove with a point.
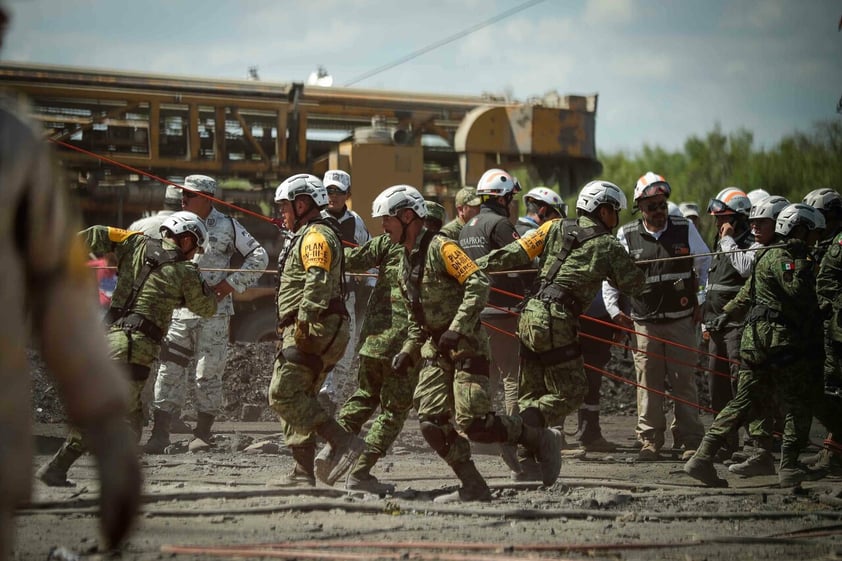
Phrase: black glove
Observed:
(401, 363)
(448, 341)
(717, 323)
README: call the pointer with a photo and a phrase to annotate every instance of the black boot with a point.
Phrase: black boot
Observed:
(54, 472)
(160, 437)
(342, 450)
(589, 432)
(202, 433)
(474, 487)
(302, 473)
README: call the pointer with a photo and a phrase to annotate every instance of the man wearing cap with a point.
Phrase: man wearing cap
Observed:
(151, 225)
(435, 216)
(690, 211)
(192, 339)
(666, 310)
(354, 233)
(467, 206)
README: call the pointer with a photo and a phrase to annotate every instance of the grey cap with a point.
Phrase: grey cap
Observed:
(200, 183)
(173, 194)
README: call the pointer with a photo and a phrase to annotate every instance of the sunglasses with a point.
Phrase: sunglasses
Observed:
(185, 194)
(652, 207)
(334, 191)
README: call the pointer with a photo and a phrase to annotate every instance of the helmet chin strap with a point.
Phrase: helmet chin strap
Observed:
(404, 226)
(297, 216)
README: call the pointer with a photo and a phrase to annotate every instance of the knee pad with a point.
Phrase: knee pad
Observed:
(295, 356)
(487, 429)
(533, 417)
(438, 433)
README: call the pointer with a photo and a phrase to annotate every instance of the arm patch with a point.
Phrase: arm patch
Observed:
(118, 235)
(458, 264)
(533, 243)
(315, 251)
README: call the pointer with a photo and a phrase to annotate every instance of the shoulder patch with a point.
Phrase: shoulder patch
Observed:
(787, 265)
(458, 264)
(315, 251)
(118, 235)
(533, 243)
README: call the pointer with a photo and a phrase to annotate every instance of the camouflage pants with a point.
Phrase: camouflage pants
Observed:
(445, 389)
(379, 387)
(554, 387)
(202, 342)
(340, 377)
(296, 382)
(796, 385)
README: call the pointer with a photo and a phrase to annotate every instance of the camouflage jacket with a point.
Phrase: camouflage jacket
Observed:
(450, 296)
(829, 288)
(780, 301)
(452, 229)
(226, 237)
(169, 286)
(311, 276)
(581, 275)
(386, 319)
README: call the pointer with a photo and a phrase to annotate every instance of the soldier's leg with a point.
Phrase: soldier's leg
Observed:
(174, 376)
(211, 351)
(362, 404)
(54, 472)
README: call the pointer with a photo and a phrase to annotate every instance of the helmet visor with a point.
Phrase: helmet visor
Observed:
(715, 206)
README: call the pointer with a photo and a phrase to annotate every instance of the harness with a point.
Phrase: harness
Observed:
(412, 280)
(123, 316)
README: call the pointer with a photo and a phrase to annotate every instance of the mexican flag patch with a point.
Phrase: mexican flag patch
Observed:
(789, 266)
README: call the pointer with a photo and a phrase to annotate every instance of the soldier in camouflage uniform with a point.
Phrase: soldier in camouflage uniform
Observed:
(781, 348)
(153, 278)
(575, 256)
(151, 225)
(195, 340)
(47, 299)
(446, 292)
(382, 335)
(467, 205)
(313, 329)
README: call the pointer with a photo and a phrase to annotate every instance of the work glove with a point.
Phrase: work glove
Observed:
(448, 341)
(112, 441)
(401, 363)
(717, 323)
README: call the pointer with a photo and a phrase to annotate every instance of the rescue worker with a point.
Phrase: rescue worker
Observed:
(353, 232)
(667, 310)
(383, 331)
(151, 225)
(690, 211)
(575, 256)
(781, 349)
(153, 278)
(195, 340)
(542, 204)
(313, 328)
(467, 206)
(446, 292)
(47, 291)
(435, 216)
(728, 271)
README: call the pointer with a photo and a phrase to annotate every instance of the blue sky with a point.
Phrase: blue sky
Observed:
(664, 70)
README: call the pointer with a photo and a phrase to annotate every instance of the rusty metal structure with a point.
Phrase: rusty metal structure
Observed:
(261, 132)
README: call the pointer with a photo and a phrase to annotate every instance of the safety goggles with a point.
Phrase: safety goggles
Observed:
(715, 206)
(652, 207)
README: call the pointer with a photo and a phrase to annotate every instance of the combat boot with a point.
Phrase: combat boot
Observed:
(302, 473)
(759, 464)
(54, 472)
(508, 452)
(704, 470)
(202, 438)
(543, 443)
(474, 487)
(589, 433)
(829, 461)
(160, 437)
(339, 454)
(360, 478)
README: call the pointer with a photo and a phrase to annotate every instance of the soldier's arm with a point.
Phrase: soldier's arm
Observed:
(318, 256)
(103, 239)
(369, 255)
(198, 297)
(626, 275)
(829, 279)
(255, 260)
(518, 253)
(461, 268)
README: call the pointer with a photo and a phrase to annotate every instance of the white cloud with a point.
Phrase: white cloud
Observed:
(609, 12)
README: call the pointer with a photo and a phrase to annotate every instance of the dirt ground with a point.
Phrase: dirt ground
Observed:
(604, 506)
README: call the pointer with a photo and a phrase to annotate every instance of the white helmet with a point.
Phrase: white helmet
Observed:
(650, 184)
(794, 215)
(770, 207)
(757, 195)
(674, 210)
(730, 200)
(599, 192)
(823, 198)
(302, 184)
(549, 198)
(185, 221)
(396, 198)
(497, 182)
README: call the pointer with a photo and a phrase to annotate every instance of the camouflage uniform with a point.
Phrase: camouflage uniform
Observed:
(381, 337)
(552, 374)
(829, 292)
(781, 348)
(309, 298)
(169, 286)
(204, 341)
(452, 229)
